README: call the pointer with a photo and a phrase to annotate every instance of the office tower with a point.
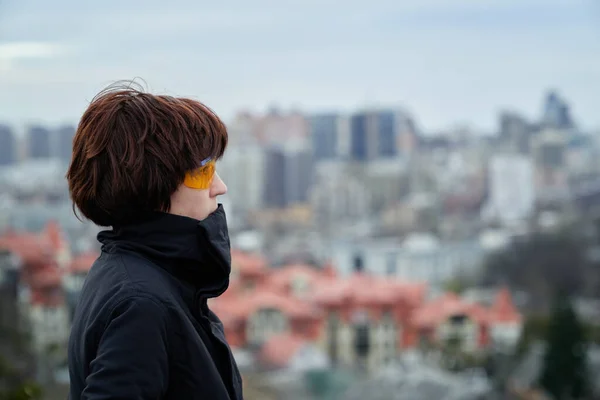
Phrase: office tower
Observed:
(8, 146)
(39, 142)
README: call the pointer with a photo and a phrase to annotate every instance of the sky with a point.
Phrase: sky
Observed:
(448, 62)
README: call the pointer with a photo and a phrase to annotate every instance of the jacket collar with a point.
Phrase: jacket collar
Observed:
(197, 252)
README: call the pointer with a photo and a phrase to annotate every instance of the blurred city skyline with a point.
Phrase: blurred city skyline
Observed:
(448, 62)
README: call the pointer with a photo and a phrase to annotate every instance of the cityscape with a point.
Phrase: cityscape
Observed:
(370, 259)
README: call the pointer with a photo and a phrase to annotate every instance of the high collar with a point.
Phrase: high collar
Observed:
(197, 252)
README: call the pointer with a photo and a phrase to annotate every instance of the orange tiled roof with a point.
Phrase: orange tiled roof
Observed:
(247, 263)
(39, 297)
(54, 234)
(445, 306)
(243, 305)
(289, 306)
(368, 290)
(281, 279)
(503, 310)
(31, 248)
(45, 277)
(34, 248)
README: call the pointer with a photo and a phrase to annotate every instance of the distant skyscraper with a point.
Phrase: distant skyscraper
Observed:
(8, 146)
(299, 176)
(64, 139)
(388, 134)
(39, 141)
(550, 149)
(243, 170)
(274, 195)
(556, 112)
(359, 137)
(289, 173)
(374, 134)
(278, 128)
(324, 136)
(515, 132)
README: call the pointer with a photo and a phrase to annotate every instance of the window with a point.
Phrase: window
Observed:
(458, 319)
(361, 339)
(333, 326)
(264, 324)
(358, 263)
(300, 285)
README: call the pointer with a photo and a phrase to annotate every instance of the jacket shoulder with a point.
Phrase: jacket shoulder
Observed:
(116, 278)
(132, 275)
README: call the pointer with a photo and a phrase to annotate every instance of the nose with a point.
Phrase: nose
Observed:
(219, 187)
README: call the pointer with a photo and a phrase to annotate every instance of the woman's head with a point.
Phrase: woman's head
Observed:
(133, 151)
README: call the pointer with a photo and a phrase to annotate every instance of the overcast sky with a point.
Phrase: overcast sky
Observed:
(447, 61)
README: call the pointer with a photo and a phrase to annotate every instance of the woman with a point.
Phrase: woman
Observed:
(144, 165)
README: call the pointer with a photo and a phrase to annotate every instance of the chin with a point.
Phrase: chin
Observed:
(206, 213)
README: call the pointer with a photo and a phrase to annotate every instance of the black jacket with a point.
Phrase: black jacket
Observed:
(142, 328)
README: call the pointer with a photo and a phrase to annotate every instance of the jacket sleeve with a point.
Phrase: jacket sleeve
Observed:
(132, 359)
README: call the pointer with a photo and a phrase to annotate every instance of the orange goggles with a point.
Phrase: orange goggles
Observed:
(201, 177)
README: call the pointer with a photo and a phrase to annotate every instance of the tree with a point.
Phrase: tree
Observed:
(534, 329)
(564, 372)
(16, 381)
(559, 258)
(17, 364)
(456, 285)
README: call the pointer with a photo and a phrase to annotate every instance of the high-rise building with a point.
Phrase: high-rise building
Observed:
(8, 146)
(277, 128)
(515, 132)
(379, 134)
(549, 148)
(289, 173)
(40, 142)
(64, 141)
(339, 200)
(298, 176)
(387, 134)
(274, 196)
(360, 139)
(324, 133)
(243, 171)
(556, 112)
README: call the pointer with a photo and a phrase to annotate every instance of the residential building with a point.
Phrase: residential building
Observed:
(42, 258)
(381, 134)
(325, 135)
(74, 278)
(64, 142)
(418, 258)
(515, 133)
(8, 146)
(289, 172)
(511, 188)
(294, 315)
(364, 137)
(556, 113)
(338, 201)
(244, 170)
(40, 142)
(551, 176)
(273, 128)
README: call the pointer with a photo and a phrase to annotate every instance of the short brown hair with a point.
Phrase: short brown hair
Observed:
(132, 150)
